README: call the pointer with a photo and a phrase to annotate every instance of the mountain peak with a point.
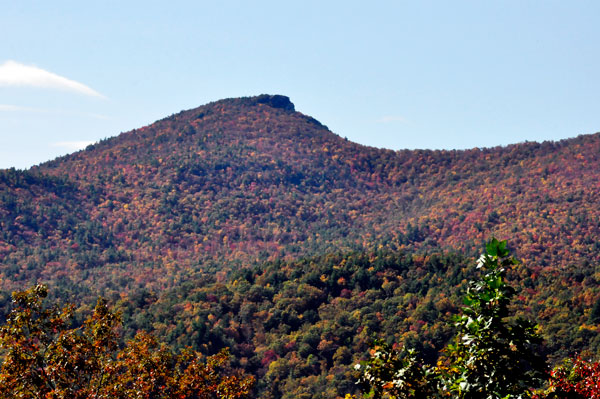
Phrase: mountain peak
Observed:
(276, 101)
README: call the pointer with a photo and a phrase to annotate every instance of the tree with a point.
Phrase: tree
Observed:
(395, 374)
(44, 357)
(490, 357)
(574, 379)
(147, 369)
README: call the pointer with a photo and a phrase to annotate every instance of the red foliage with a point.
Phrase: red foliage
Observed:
(576, 376)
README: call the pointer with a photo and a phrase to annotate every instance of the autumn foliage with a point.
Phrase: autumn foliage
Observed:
(241, 181)
(46, 358)
(575, 378)
(244, 224)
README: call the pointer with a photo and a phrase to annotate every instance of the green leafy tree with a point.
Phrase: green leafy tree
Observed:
(491, 356)
(395, 374)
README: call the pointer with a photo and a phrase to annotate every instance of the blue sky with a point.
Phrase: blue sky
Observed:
(394, 74)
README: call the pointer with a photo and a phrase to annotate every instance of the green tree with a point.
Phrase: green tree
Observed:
(595, 313)
(491, 356)
(395, 374)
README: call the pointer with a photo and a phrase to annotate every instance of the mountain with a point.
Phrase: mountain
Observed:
(247, 224)
(240, 181)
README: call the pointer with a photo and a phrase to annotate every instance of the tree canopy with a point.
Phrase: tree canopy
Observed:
(491, 356)
(45, 357)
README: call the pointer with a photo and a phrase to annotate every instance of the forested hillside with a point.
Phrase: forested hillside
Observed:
(246, 224)
(300, 326)
(241, 180)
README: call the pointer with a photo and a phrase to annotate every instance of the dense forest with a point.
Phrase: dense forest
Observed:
(245, 224)
(320, 328)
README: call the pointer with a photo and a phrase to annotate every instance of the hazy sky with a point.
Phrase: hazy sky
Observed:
(394, 74)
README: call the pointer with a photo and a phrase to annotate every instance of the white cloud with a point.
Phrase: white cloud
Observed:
(73, 145)
(392, 118)
(15, 74)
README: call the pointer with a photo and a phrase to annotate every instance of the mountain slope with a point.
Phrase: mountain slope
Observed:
(244, 180)
(333, 242)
